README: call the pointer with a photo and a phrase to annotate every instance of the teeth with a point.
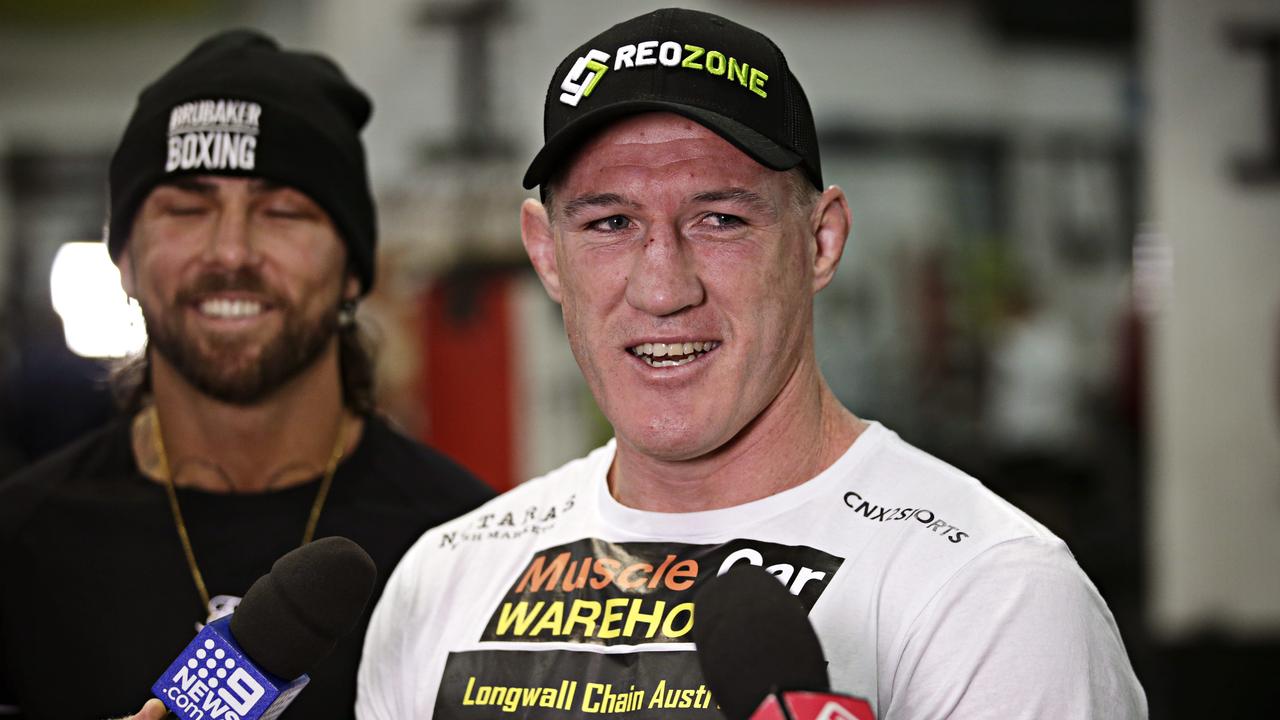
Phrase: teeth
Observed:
(223, 308)
(650, 352)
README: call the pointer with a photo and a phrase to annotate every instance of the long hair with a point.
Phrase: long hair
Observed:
(131, 377)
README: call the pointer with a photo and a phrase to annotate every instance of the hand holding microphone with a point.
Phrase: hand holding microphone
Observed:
(251, 665)
(760, 655)
(152, 710)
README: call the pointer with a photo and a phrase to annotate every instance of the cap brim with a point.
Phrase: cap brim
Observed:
(568, 138)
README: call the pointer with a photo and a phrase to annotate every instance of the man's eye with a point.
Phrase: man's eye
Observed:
(613, 223)
(286, 212)
(725, 220)
(183, 210)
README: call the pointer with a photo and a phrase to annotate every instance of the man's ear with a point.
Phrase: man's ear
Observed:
(539, 243)
(830, 225)
(127, 280)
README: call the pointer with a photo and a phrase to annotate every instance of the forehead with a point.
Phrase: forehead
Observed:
(648, 152)
(214, 185)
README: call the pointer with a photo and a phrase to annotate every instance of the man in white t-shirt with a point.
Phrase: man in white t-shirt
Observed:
(684, 229)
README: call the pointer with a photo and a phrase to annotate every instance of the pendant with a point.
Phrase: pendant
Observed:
(220, 606)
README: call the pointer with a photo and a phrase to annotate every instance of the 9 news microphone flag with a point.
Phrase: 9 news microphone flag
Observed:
(251, 665)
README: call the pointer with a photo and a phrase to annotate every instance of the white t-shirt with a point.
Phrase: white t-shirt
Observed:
(933, 598)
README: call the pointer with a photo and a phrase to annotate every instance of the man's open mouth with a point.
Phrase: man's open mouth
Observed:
(672, 354)
(226, 308)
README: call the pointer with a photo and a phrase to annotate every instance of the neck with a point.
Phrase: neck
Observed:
(802, 432)
(286, 439)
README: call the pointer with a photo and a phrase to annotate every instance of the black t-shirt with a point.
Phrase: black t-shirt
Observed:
(96, 598)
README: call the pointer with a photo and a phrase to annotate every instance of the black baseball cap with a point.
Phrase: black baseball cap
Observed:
(726, 77)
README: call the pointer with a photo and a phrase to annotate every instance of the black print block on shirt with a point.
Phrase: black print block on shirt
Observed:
(592, 591)
(596, 593)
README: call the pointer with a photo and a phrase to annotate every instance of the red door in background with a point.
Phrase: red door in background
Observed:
(467, 373)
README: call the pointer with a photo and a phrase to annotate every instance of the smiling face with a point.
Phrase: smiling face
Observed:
(686, 273)
(239, 281)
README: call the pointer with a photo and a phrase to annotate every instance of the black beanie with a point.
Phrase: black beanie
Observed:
(239, 105)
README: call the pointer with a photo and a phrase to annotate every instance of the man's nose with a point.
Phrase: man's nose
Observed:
(232, 244)
(664, 278)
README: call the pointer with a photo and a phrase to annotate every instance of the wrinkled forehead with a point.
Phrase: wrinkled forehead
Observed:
(643, 152)
(651, 127)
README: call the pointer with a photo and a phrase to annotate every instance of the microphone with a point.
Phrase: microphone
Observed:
(253, 663)
(760, 655)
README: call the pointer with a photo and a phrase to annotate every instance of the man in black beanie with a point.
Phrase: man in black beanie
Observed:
(242, 223)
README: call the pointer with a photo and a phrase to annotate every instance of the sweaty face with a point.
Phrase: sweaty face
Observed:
(239, 282)
(686, 281)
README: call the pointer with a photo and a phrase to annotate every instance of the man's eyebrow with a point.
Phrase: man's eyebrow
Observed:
(263, 185)
(593, 200)
(741, 196)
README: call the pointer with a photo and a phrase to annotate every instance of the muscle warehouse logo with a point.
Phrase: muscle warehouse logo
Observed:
(213, 135)
(587, 70)
(592, 591)
(211, 685)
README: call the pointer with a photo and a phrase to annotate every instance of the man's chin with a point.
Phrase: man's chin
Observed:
(672, 442)
(235, 378)
(234, 389)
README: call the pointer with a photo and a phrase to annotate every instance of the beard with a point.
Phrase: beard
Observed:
(221, 366)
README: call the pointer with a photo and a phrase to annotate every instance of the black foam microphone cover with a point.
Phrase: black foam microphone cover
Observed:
(753, 638)
(292, 617)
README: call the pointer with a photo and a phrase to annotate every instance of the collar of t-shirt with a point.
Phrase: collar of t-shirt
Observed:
(711, 525)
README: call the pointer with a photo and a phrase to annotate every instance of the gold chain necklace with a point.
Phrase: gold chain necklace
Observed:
(157, 444)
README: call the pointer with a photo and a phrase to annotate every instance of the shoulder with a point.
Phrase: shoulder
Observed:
(469, 557)
(509, 523)
(538, 499)
(975, 594)
(531, 508)
(1019, 627)
(414, 469)
(82, 465)
(107, 445)
(904, 487)
(924, 528)
(1022, 573)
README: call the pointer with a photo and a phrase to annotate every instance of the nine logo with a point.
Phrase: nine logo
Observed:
(212, 679)
(212, 682)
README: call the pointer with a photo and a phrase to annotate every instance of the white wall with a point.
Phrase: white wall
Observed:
(72, 87)
(1215, 490)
